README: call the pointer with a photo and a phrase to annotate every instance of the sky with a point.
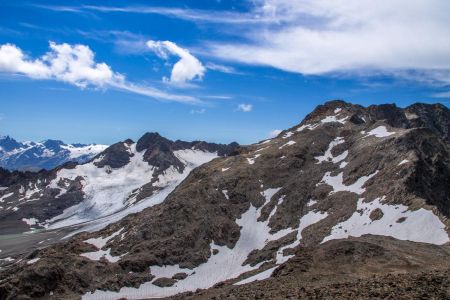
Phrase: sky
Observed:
(220, 71)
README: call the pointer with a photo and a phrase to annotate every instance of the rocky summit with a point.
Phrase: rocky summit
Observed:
(353, 202)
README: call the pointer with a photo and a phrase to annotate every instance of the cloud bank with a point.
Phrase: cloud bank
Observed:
(316, 37)
(75, 64)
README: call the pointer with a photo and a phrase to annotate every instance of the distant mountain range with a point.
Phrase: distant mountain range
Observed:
(33, 156)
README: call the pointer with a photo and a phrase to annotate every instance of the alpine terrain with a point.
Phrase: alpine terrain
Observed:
(32, 156)
(353, 202)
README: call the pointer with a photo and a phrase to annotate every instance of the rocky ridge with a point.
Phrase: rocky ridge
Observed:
(344, 171)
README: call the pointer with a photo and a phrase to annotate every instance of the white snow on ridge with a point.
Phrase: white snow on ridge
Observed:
(307, 220)
(91, 150)
(168, 271)
(290, 143)
(307, 126)
(32, 261)
(30, 221)
(107, 189)
(268, 194)
(225, 193)
(397, 221)
(259, 276)
(100, 243)
(334, 119)
(336, 182)
(287, 135)
(403, 162)
(2, 198)
(251, 160)
(328, 156)
(379, 132)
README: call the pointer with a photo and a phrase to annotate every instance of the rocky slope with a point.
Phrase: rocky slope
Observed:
(32, 156)
(285, 203)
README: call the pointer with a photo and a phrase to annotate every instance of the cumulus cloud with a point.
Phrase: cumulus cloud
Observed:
(245, 107)
(274, 133)
(75, 64)
(186, 69)
(325, 36)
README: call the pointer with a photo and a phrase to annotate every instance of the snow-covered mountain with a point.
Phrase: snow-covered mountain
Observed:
(32, 156)
(122, 179)
(348, 194)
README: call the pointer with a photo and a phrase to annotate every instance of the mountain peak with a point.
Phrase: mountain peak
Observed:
(151, 139)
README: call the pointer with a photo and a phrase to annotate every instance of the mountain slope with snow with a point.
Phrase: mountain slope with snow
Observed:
(48, 154)
(124, 178)
(348, 193)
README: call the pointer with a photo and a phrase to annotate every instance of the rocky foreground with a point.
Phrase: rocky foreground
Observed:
(352, 202)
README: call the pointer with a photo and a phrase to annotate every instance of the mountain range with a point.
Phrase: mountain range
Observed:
(353, 202)
(34, 156)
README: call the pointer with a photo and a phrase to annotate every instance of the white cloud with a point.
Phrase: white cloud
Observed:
(194, 15)
(75, 64)
(186, 69)
(245, 107)
(323, 36)
(221, 68)
(274, 133)
(198, 111)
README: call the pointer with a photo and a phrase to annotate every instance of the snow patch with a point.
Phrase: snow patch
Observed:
(328, 156)
(225, 193)
(290, 143)
(251, 160)
(307, 220)
(336, 182)
(307, 126)
(30, 221)
(334, 119)
(403, 162)
(419, 226)
(379, 132)
(260, 276)
(287, 135)
(32, 261)
(87, 150)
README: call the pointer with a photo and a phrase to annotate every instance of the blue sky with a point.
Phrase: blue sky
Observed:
(103, 71)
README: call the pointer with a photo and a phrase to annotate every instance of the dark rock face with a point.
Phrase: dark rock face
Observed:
(433, 116)
(164, 282)
(405, 165)
(180, 276)
(376, 214)
(115, 156)
(159, 150)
